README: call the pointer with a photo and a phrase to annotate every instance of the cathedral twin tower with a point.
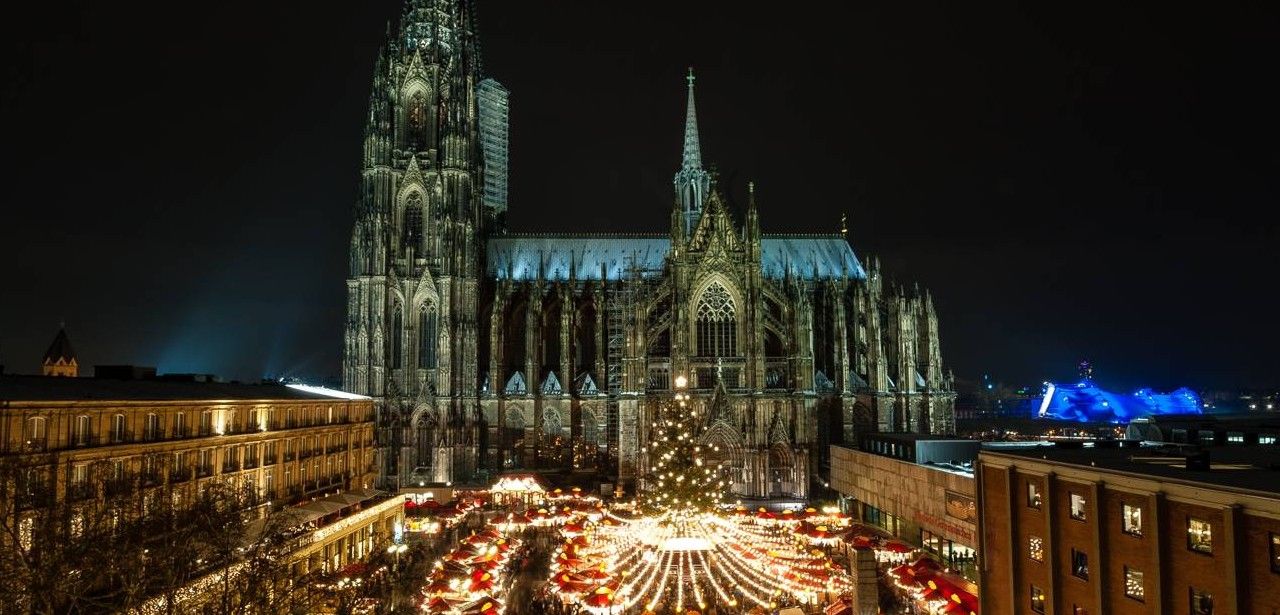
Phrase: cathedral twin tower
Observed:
(490, 351)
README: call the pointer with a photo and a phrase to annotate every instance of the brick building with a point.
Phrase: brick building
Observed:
(1120, 529)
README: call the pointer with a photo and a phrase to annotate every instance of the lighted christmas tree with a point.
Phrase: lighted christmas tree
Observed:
(681, 478)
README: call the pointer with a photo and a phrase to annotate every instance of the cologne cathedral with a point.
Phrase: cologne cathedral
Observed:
(490, 350)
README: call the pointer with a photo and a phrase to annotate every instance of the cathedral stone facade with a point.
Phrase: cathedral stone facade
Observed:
(491, 351)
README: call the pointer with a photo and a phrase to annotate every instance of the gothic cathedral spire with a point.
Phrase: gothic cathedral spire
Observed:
(692, 182)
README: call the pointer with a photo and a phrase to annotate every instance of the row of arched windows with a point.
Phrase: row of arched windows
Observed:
(428, 337)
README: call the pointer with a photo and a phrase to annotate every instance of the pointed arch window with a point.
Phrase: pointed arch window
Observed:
(397, 337)
(416, 121)
(716, 323)
(428, 338)
(413, 222)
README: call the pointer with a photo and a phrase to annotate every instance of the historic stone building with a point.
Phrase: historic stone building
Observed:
(491, 350)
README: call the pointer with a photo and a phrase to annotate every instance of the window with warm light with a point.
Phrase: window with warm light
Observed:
(1199, 535)
(1034, 499)
(1035, 548)
(1077, 507)
(1201, 602)
(1037, 599)
(1133, 584)
(1132, 519)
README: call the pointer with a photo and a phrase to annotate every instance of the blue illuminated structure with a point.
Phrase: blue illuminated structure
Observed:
(1086, 402)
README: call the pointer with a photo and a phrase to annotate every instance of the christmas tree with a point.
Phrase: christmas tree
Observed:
(681, 478)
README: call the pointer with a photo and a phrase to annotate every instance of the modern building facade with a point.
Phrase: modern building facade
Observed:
(1129, 529)
(919, 489)
(491, 351)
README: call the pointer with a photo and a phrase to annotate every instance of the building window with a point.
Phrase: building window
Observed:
(117, 428)
(427, 339)
(1201, 602)
(1077, 506)
(1275, 552)
(1132, 519)
(1199, 535)
(1206, 437)
(80, 432)
(717, 323)
(1034, 499)
(413, 223)
(1080, 564)
(397, 337)
(153, 427)
(1035, 548)
(1133, 586)
(1235, 437)
(1037, 599)
(179, 425)
(35, 430)
(1079, 610)
(1266, 439)
(206, 422)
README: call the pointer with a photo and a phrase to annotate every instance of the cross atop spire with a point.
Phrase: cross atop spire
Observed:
(692, 182)
(692, 150)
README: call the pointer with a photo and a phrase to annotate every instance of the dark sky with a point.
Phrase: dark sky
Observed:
(1069, 179)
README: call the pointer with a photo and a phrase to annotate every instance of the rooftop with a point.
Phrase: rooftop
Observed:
(916, 437)
(1253, 469)
(47, 389)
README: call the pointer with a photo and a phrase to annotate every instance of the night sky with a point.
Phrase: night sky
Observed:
(1070, 180)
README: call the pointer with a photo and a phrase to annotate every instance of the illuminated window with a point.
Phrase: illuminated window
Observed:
(152, 429)
(1199, 535)
(1266, 439)
(1080, 564)
(80, 431)
(35, 429)
(1201, 602)
(1034, 499)
(1235, 437)
(1037, 599)
(1077, 506)
(717, 324)
(1035, 548)
(1275, 552)
(117, 428)
(1133, 587)
(1079, 610)
(1132, 519)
